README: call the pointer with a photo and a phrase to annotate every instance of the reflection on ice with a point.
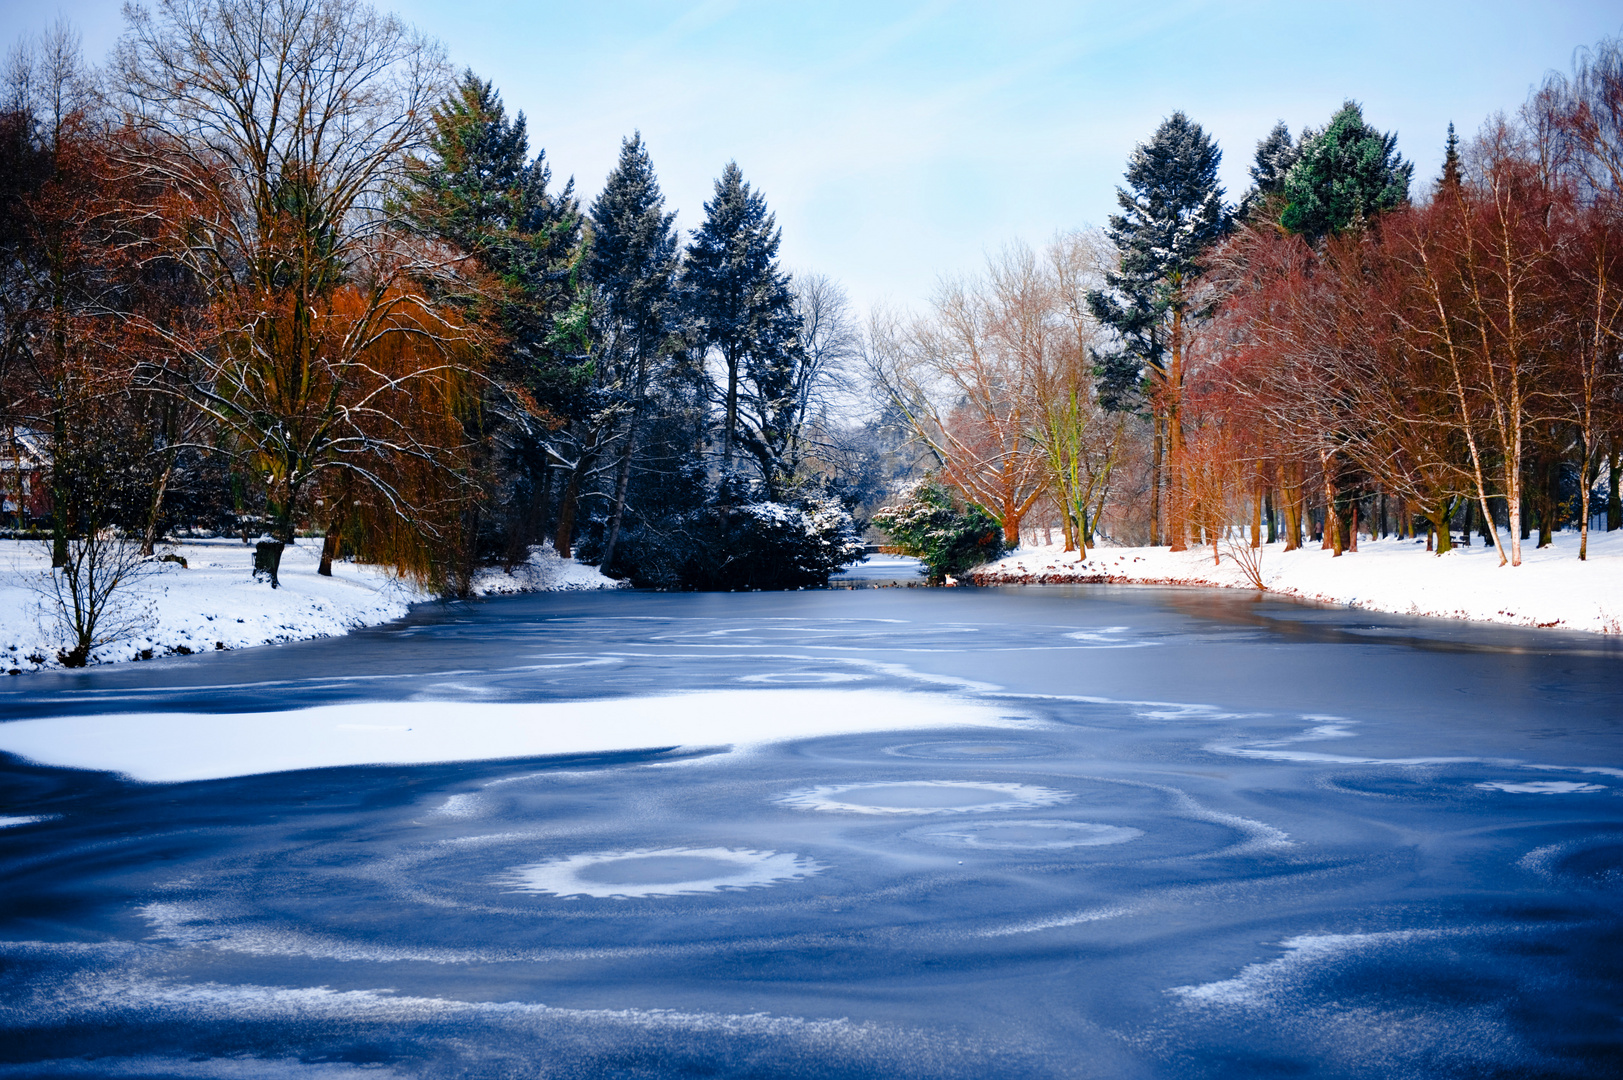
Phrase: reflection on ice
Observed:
(970, 749)
(1030, 835)
(923, 797)
(660, 872)
(1541, 787)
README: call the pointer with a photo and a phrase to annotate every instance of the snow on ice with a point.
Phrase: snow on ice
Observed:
(175, 747)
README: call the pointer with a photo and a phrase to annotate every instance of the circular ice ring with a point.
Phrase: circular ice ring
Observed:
(660, 872)
(923, 797)
(1042, 835)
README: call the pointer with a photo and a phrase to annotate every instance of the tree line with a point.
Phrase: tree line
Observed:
(277, 269)
(1343, 351)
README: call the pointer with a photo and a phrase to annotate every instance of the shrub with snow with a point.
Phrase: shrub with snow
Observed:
(926, 523)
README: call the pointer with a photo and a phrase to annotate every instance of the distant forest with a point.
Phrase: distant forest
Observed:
(311, 280)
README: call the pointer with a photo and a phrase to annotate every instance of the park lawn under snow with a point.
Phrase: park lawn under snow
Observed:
(214, 602)
(1551, 588)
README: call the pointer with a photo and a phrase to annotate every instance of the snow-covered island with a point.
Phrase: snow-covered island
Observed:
(1551, 588)
(212, 601)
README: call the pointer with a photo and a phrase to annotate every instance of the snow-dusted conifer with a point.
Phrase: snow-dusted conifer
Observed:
(1275, 155)
(632, 266)
(740, 299)
(1172, 212)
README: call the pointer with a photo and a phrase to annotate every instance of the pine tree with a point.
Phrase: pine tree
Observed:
(632, 265)
(741, 300)
(1346, 174)
(1172, 212)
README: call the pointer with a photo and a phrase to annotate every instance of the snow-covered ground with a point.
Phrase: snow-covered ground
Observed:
(213, 602)
(545, 571)
(1551, 588)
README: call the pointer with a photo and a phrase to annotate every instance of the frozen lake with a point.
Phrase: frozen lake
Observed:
(1062, 832)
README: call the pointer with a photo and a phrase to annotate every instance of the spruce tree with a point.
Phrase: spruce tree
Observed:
(632, 265)
(1172, 213)
(1452, 176)
(1275, 155)
(476, 189)
(741, 301)
(1346, 174)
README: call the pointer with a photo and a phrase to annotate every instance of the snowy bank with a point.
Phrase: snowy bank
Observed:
(546, 571)
(1550, 589)
(213, 602)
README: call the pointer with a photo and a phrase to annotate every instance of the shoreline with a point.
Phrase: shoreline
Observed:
(213, 603)
(1552, 589)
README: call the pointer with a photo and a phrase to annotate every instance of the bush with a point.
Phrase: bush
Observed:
(736, 541)
(774, 545)
(927, 523)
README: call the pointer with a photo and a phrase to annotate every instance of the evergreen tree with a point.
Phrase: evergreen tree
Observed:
(632, 265)
(1172, 212)
(476, 190)
(1452, 175)
(1345, 174)
(742, 305)
(1275, 156)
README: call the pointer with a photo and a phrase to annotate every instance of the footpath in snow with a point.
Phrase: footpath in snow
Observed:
(1550, 589)
(213, 602)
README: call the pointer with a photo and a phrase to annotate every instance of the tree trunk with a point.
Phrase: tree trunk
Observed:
(732, 416)
(1293, 508)
(59, 504)
(1440, 525)
(1178, 508)
(329, 546)
(563, 540)
(1332, 517)
(1156, 454)
(150, 538)
(621, 482)
(1614, 497)
(1256, 517)
(1550, 497)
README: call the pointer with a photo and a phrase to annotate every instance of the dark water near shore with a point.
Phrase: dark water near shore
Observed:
(1244, 838)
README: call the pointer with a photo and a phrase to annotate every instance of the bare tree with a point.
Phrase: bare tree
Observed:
(822, 382)
(962, 378)
(1583, 116)
(1082, 440)
(275, 132)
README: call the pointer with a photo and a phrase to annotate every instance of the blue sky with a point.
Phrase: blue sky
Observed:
(899, 142)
